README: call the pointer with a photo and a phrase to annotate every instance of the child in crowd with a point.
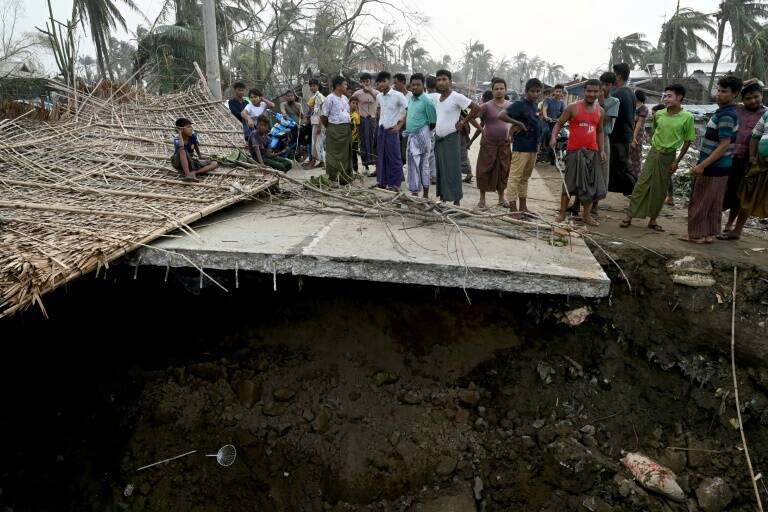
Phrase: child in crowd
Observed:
(354, 115)
(258, 145)
(258, 105)
(183, 147)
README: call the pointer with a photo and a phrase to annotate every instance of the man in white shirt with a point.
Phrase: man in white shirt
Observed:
(392, 107)
(447, 140)
(255, 108)
(315, 103)
(338, 134)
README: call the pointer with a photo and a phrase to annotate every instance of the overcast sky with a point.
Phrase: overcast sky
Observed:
(574, 33)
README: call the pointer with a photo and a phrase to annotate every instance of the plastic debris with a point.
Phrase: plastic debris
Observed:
(653, 476)
(576, 316)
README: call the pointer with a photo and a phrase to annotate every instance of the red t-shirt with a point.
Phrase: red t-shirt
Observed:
(583, 129)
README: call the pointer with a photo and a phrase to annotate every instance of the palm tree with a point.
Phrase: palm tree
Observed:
(536, 65)
(742, 16)
(410, 44)
(680, 38)
(482, 66)
(102, 16)
(499, 68)
(521, 63)
(554, 72)
(629, 49)
(754, 57)
(471, 52)
(419, 56)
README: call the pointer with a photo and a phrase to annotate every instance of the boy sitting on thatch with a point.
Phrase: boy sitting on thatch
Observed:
(183, 146)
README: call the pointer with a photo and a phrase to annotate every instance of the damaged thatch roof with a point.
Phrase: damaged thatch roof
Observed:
(79, 193)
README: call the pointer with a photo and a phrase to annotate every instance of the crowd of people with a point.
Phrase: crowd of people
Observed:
(420, 124)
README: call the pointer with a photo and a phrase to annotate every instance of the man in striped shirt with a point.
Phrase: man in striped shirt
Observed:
(715, 162)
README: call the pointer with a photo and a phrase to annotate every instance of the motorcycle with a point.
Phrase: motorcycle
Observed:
(561, 148)
(284, 136)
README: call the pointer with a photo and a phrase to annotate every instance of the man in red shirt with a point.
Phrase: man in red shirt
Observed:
(585, 145)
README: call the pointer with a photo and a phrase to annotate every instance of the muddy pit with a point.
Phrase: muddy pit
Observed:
(358, 396)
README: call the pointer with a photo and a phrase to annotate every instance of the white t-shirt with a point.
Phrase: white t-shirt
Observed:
(392, 107)
(435, 97)
(449, 112)
(254, 111)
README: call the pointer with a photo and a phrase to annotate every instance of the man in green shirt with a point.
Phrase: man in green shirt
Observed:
(673, 127)
(419, 123)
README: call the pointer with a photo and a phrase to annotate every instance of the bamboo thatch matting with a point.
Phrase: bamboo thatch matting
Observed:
(77, 194)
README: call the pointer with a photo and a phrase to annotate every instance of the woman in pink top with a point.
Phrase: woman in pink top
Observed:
(495, 153)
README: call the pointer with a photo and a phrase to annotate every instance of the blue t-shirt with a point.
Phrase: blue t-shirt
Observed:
(189, 146)
(236, 107)
(527, 112)
(554, 108)
(724, 124)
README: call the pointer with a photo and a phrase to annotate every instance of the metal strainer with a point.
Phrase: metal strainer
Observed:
(226, 455)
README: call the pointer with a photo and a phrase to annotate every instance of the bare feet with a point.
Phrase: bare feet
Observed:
(588, 220)
(686, 238)
(670, 201)
(560, 218)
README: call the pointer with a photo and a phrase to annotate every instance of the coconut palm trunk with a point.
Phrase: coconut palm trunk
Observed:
(718, 51)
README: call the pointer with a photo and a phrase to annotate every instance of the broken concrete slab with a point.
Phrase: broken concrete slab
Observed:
(279, 239)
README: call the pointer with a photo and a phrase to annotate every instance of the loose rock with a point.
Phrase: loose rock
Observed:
(274, 409)
(322, 422)
(247, 393)
(284, 394)
(462, 503)
(446, 466)
(207, 371)
(469, 397)
(384, 378)
(713, 494)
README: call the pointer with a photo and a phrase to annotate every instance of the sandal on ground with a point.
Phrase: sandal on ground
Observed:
(191, 178)
(727, 235)
(481, 205)
(468, 179)
(625, 223)
(504, 204)
(656, 227)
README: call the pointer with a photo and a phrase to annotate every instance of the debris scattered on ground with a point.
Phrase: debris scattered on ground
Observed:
(653, 476)
(691, 271)
(577, 316)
